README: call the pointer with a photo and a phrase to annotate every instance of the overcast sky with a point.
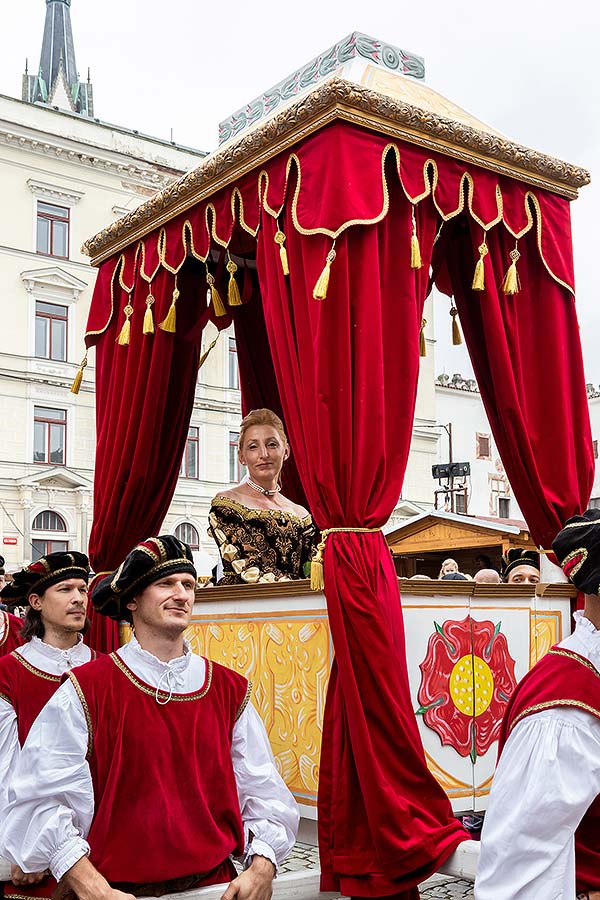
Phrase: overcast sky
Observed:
(529, 68)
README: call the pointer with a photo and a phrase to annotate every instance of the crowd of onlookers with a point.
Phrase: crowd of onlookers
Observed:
(519, 566)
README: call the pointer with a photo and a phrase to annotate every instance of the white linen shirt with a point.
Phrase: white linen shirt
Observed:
(547, 777)
(51, 660)
(51, 795)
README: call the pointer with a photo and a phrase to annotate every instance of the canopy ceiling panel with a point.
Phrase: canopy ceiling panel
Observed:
(334, 217)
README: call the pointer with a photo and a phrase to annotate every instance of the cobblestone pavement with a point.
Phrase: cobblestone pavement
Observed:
(439, 887)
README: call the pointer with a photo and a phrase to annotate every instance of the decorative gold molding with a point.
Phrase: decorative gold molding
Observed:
(337, 99)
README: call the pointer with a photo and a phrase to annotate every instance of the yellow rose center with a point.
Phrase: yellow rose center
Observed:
(471, 685)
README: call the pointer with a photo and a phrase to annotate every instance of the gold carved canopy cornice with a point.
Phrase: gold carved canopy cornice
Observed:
(339, 99)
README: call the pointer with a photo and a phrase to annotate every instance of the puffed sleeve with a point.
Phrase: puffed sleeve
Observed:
(269, 812)
(547, 777)
(241, 556)
(51, 796)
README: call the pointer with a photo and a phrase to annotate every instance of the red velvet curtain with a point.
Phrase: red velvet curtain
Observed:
(347, 370)
(144, 397)
(526, 355)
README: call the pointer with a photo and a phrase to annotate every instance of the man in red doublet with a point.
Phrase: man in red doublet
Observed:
(541, 837)
(54, 589)
(152, 741)
(10, 626)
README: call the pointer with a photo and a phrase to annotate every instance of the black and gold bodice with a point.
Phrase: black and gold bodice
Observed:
(260, 545)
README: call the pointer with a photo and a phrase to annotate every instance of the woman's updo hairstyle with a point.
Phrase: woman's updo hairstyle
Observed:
(261, 417)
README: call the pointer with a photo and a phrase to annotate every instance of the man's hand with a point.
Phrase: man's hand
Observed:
(256, 883)
(86, 882)
(18, 876)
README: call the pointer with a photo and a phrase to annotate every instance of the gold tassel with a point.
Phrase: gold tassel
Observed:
(218, 305)
(322, 285)
(280, 239)
(422, 344)
(206, 353)
(511, 283)
(456, 335)
(479, 274)
(415, 250)
(148, 317)
(125, 333)
(233, 291)
(317, 580)
(75, 387)
(169, 323)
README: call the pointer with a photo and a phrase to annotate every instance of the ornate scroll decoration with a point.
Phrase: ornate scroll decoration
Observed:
(338, 99)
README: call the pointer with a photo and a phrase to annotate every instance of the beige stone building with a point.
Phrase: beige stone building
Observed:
(64, 175)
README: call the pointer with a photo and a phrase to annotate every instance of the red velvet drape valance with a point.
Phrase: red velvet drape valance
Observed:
(343, 370)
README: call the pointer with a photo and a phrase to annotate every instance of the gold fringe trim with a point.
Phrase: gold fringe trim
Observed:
(125, 332)
(422, 343)
(321, 287)
(148, 317)
(479, 274)
(317, 581)
(415, 250)
(280, 239)
(206, 353)
(233, 292)
(76, 386)
(217, 302)
(456, 335)
(511, 283)
(169, 323)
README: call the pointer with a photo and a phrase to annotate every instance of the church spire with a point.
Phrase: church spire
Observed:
(57, 82)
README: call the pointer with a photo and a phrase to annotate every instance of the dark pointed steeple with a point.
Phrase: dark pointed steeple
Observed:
(57, 82)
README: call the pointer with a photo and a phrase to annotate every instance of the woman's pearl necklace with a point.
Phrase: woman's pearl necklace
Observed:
(262, 490)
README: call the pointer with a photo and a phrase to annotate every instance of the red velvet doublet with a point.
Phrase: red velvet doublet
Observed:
(166, 803)
(564, 678)
(10, 632)
(26, 688)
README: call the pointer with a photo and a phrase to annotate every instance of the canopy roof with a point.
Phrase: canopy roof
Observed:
(392, 105)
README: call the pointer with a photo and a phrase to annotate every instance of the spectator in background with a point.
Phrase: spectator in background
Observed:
(487, 576)
(448, 566)
(521, 566)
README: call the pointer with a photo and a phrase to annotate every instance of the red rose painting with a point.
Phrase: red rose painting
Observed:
(467, 679)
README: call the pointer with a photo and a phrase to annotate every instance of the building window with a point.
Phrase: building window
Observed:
(191, 455)
(187, 533)
(236, 470)
(234, 372)
(504, 507)
(49, 436)
(48, 521)
(52, 230)
(483, 448)
(50, 331)
(460, 503)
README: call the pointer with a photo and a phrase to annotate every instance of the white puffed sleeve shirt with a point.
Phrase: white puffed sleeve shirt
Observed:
(53, 661)
(51, 795)
(547, 777)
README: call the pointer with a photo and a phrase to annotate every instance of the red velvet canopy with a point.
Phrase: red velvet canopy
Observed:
(343, 371)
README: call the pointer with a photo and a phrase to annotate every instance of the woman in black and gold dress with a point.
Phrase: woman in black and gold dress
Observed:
(262, 536)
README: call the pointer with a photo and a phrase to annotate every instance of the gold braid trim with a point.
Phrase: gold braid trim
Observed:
(6, 699)
(248, 512)
(551, 704)
(559, 651)
(245, 701)
(6, 624)
(317, 582)
(34, 670)
(164, 695)
(86, 710)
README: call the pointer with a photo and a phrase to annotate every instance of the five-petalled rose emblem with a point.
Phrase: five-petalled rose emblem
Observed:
(467, 679)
